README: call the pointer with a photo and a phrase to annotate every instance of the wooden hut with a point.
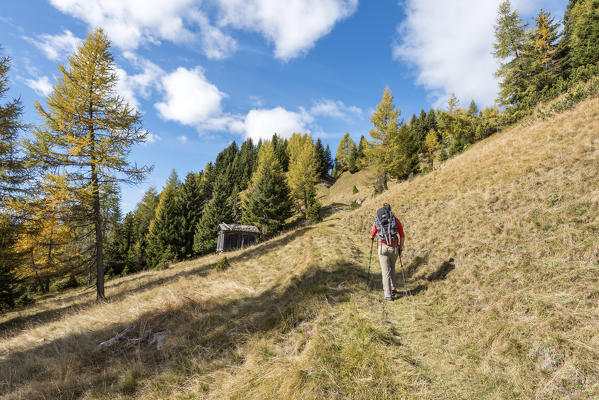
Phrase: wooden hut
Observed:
(234, 236)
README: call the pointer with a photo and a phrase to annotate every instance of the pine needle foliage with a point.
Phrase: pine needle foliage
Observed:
(303, 166)
(13, 172)
(383, 146)
(267, 204)
(166, 234)
(88, 132)
(216, 212)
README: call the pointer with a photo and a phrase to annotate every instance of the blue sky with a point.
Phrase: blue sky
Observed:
(207, 72)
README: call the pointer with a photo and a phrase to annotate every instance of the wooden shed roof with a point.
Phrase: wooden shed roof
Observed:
(237, 228)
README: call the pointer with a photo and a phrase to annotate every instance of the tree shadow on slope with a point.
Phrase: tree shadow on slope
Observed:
(332, 208)
(46, 316)
(199, 332)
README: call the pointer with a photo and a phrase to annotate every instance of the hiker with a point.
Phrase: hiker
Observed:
(387, 227)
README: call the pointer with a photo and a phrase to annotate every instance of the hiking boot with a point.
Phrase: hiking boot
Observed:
(388, 298)
(394, 292)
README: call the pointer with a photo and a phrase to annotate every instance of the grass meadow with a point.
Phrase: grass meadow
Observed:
(502, 267)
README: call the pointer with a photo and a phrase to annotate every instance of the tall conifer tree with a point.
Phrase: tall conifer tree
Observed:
(267, 204)
(216, 212)
(383, 150)
(191, 202)
(345, 152)
(12, 169)
(166, 235)
(88, 132)
(302, 174)
(510, 48)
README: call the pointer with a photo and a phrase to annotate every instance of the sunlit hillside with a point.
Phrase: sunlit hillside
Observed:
(502, 267)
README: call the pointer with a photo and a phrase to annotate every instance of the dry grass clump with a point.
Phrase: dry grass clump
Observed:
(502, 265)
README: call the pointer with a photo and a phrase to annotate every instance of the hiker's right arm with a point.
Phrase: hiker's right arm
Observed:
(373, 232)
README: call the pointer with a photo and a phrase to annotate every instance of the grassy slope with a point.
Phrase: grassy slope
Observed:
(502, 264)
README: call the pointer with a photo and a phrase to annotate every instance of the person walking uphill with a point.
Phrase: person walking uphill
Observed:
(388, 227)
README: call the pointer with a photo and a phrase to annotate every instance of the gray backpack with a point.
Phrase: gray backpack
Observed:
(386, 225)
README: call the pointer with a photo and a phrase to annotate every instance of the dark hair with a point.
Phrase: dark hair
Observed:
(387, 206)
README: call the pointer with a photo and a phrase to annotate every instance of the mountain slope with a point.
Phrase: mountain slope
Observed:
(502, 266)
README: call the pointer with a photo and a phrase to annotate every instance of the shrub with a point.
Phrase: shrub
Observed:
(313, 212)
(355, 190)
(72, 282)
(222, 264)
(443, 155)
(353, 205)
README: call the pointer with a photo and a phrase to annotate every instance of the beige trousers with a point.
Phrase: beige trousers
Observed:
(387, 257)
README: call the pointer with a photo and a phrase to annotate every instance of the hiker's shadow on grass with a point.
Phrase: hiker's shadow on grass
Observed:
(200, 330)
(54, 314)
(438, 275)
(441, 273)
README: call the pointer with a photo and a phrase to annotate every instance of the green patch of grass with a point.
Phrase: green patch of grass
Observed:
(129, 382)
(222, 264)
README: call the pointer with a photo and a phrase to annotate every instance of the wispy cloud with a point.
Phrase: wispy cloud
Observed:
(56, 47)
(41, 85)
(335, 109)
(293, 26)
(449, 44)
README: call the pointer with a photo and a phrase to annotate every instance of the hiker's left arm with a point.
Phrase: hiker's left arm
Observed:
(402, 235)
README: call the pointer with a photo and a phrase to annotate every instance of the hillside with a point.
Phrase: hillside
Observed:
(502, 264)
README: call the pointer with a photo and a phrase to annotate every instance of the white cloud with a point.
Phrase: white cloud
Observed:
(42, 85)
(130, 86)
(189, 98)
(335, 109)
(262, 124)
(182, 138)
(57, 47)
(130, 23)
(214, 42)
(151, 138)
(293, 25)
(450, 45)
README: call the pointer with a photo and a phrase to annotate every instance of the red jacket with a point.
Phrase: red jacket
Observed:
(399, 231)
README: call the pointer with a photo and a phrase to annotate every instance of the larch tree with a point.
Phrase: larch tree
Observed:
(48, 239)
(302, 174)
(345, 152)
(383, 147)
(267, 204)
(362, 160)
(87, 134)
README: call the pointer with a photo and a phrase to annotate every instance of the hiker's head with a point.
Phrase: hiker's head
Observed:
(387, 206)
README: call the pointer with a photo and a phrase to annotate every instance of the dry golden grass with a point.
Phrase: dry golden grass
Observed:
(503, 269)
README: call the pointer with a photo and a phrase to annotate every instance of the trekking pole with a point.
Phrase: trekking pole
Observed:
(369, 261)
(405, 285)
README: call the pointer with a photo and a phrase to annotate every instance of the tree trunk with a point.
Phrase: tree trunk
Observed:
(97, 213)
(99, 239)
